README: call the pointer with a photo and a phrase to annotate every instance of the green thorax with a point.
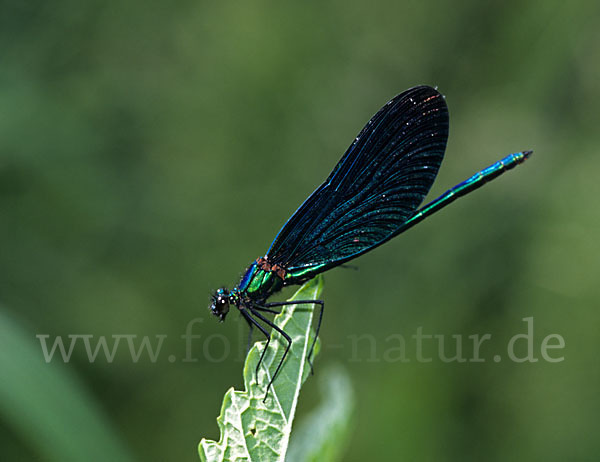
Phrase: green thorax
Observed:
(262, 279)
(259, 283)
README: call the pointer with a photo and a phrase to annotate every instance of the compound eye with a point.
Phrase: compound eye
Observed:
(223, 306)
(220, 303)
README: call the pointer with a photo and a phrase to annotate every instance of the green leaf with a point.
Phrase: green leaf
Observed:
(322, 434)
(48, 406)
(250, 429)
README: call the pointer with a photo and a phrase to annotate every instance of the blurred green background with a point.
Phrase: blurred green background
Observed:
(150, 150)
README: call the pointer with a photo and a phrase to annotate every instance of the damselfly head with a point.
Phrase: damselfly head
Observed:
(220, 303)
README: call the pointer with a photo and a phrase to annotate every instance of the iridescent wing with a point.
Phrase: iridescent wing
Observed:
(377, 185)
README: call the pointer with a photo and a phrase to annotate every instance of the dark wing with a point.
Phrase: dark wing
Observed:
(377, 185)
